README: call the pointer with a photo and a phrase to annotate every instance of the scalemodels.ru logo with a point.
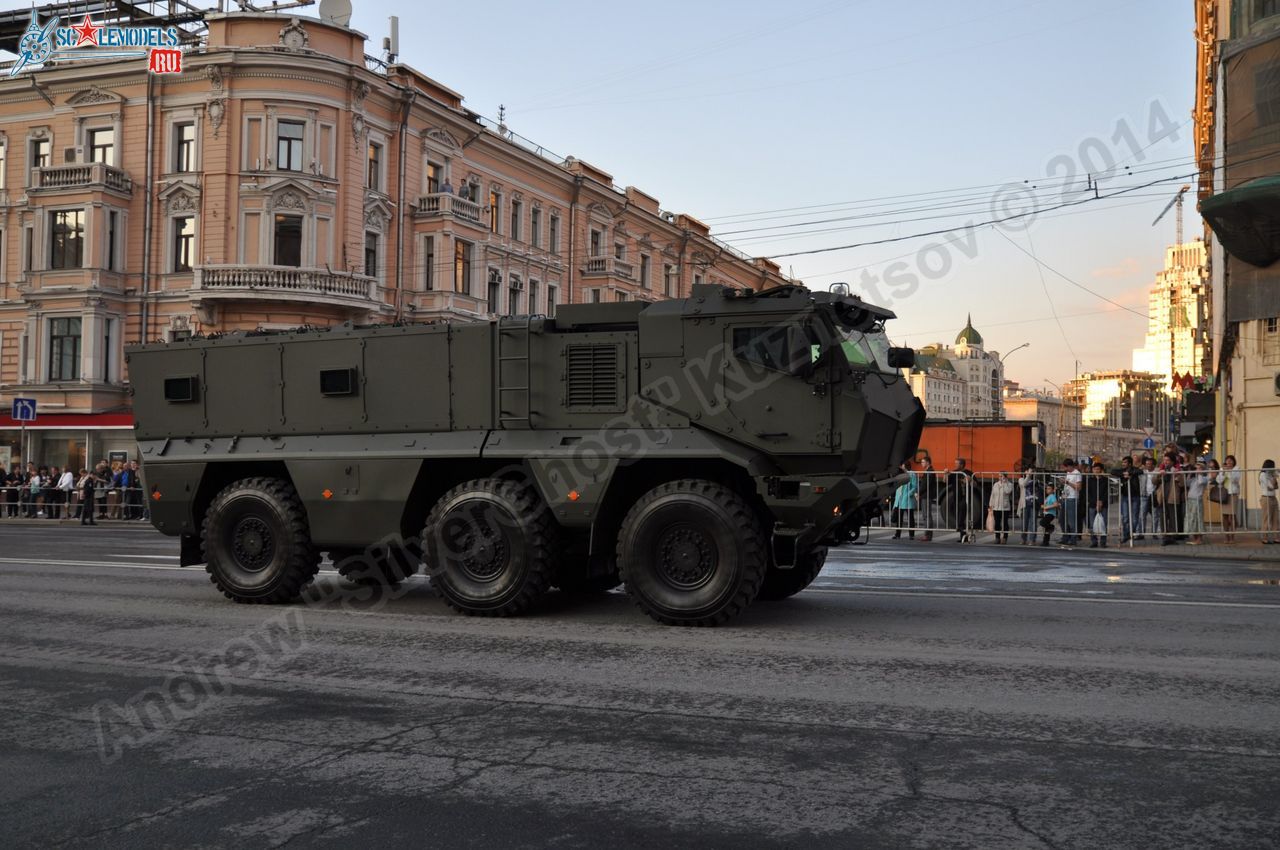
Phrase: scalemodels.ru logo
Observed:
(87, 40)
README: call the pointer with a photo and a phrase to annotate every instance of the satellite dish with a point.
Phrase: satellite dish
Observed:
(336, 11)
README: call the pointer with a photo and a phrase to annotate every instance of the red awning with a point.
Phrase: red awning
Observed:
(71, 420)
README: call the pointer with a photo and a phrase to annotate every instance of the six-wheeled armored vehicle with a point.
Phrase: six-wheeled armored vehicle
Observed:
(704, 451)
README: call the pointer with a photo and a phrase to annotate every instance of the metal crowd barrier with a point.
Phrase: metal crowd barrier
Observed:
(51, 503)
(1175, 506)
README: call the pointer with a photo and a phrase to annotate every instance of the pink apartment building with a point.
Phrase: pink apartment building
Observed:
(285, 179)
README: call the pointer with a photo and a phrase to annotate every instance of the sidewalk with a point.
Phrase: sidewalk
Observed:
(43, 521)
(1246, 547)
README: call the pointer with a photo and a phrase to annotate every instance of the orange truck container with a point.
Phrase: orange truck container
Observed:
(985, 446)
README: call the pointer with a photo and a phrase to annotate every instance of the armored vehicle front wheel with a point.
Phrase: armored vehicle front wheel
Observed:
(781, 584)
(490, 547)
(257, 543)
(692, 553)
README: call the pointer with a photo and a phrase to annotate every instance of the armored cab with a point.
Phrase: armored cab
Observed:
(704, 451)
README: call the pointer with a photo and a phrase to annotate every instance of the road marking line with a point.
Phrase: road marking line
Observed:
(156, 557)
(1010, 596)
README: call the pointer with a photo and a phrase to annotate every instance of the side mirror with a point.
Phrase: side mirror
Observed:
(902, 358)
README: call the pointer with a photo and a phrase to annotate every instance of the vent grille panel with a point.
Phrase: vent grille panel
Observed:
(592, 375)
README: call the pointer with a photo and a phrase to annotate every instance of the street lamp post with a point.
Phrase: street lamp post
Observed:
(1000, 414)
(1019, 348)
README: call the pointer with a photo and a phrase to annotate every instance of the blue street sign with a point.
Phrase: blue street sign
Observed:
(24, 410)
(1148, 443)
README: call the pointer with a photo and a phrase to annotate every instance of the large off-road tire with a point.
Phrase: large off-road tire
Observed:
(692, 553)
(781, 584)
(490, 547)
(256, 542)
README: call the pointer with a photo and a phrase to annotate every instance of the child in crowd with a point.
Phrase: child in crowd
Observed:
(1049, 514)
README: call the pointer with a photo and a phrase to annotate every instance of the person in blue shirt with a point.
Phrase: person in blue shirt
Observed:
(1049, 514)
(904, 504)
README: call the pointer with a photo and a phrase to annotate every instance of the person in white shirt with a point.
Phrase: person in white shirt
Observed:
(1071, 513)
(1001, 505)
(1268, 485)
(66, 486)
(1230, 479)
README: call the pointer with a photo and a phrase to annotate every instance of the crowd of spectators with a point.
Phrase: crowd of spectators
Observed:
(1175, 499)
(108, 491)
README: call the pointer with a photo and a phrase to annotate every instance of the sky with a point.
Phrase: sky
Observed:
(896, 119)
(798, 130)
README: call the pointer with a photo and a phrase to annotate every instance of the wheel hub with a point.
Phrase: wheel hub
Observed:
(483, 552)
(252, 543)
(686, 557)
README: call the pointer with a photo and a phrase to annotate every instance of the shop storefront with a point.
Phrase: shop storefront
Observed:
(76, 440)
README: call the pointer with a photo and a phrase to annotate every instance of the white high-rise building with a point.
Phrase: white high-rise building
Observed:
(1178, 317)
(963, 382)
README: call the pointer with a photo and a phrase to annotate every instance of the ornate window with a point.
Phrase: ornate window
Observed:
(495, 290)
(288, 240)
(101, 146)
(64, 349)
(184, 243)
(370, 254)
(66, 239)
(289, 145)
(184, 147)
(462, 267)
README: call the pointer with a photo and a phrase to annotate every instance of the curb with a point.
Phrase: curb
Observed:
(1180, 551)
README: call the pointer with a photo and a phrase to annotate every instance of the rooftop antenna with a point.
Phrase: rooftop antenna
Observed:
(502, 119)
(391, 43)
(1176, 202)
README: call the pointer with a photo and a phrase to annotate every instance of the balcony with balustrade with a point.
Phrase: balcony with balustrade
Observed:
(81, 177)
(440, 205)
(285, 283)
(609, 267)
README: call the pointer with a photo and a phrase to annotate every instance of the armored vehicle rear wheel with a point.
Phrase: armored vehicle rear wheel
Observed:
(781, 584)
(257, 543)
(490, 547)
(692, 553)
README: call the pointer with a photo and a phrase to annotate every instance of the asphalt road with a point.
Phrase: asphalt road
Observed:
(918, 696)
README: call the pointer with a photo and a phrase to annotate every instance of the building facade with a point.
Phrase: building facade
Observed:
(1121, 400)
(1237, 132)
(961, 382)
(286, 179)
(1178, 318)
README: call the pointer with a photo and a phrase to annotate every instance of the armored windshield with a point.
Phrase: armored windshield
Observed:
(868, 350)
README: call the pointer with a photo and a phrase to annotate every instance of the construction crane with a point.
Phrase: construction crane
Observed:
(1176, 202)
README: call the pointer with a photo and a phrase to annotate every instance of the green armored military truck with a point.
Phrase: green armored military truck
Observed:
(705, 451)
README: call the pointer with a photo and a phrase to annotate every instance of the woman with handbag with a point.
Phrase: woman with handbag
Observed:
(1230, 479)
(1001, 506)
